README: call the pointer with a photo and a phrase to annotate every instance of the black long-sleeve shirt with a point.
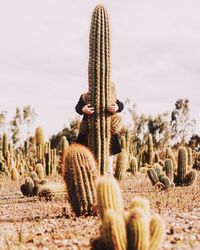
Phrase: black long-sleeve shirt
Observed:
(81, 103)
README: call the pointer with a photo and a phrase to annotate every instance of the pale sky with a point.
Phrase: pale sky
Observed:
(44, 55)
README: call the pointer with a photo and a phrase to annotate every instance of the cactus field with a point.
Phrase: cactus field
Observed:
(71, 195)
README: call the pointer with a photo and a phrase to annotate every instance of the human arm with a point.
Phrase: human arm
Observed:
(116, 107)
(83, 108)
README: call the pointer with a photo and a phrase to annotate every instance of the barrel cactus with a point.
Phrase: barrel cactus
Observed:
(80, 173)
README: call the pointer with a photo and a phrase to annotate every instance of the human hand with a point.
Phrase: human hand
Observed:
(113, 108)
(87, 109)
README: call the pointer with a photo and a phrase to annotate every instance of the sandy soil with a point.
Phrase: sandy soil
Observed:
(32, 223)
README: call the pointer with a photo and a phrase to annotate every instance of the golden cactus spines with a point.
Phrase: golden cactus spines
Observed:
(80, 173)
(142, 203)
(109, 195)
(39, 169)
(138, 230)
(114, 230)
(157, 232)
(99, 87)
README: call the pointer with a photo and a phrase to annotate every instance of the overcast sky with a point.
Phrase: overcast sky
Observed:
(44, 55)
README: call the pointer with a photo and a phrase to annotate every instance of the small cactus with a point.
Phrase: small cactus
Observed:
(39, 136)
(157, 232)
(190, 178)
(134, 165)
(39, 169)
(152, 176)
(27, 187)
(80, 174)
(14, 174)
(114, 230)
(121, 165)
(138, 230)
(109, 195)
(182, 164)
(168, 166)
(150, 150)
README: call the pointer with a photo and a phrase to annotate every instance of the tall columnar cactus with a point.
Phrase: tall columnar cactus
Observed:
(5, 145)
(190, 161)
(134, 165)
(80, 174)
(109, 195)
(182, 164)
(114, 230)
(39, 136)
(150, 150)
(168, 166)
(99, 74)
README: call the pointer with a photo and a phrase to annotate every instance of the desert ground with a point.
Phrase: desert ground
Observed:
(39, 223)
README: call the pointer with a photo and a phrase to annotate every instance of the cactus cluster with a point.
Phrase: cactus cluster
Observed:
(135, 229)
(183, 177)
(161, 179)
(32, 185)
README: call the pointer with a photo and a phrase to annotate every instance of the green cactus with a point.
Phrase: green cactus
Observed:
(182, 165)
(121, 165)
(152, 176)
(156, 157)
(173, 158)
(190, 160)
(158, 168)
(109, 195)
(114, 230)
(80, 174)
(150, 149)
(99, 75)
(138, 234)
(39, 169)
(166, 182)
(134, 165)
(190, 178)
(157, 232)
(5, 145)
(168, 167)
(27, 187)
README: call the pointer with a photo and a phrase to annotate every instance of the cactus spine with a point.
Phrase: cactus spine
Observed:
(114, 230)
(138, 230)
(157, 232)
(80, 175)
(121, 165)
(109, 195)
(99, 71)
